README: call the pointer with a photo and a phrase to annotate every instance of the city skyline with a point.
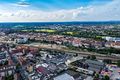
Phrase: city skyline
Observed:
(59, 11)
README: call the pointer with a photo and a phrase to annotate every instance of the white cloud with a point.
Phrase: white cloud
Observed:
(21, 4)
(108, 11)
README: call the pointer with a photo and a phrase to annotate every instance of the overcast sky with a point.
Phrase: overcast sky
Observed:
(59, 10)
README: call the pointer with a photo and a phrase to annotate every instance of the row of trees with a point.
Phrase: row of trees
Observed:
(9, 77)
(3, 63)
(93, 49)
(97, 77)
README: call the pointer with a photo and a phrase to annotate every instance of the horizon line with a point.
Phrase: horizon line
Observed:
(59, 21)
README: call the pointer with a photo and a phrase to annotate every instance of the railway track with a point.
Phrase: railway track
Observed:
(83, 54)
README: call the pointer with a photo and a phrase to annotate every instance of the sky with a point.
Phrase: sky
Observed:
(59, 10)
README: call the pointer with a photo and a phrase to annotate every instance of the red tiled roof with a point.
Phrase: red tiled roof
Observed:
(42, 70)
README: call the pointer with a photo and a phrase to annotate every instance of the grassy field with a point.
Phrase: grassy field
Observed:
(46, 30)
(26, 30)
(41, 30)
(71, 33)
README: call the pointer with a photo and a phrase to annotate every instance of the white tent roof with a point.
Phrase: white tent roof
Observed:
(64, 77)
